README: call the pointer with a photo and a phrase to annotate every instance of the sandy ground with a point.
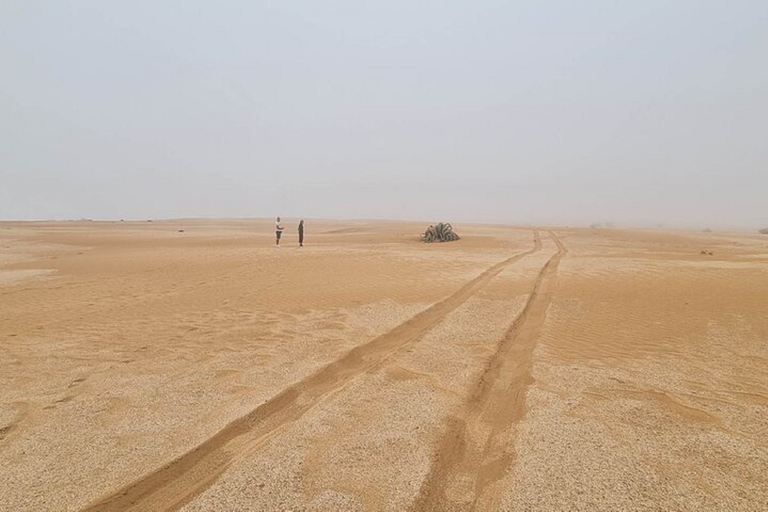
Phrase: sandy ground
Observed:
(193, 365)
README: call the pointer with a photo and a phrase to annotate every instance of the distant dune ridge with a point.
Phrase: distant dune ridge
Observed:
(520, 369)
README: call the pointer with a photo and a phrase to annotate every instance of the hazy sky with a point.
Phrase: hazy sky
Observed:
(558, 112)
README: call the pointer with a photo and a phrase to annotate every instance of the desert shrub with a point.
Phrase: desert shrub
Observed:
(442, 232)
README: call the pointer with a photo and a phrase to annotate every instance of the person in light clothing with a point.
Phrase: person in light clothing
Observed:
(278, 231)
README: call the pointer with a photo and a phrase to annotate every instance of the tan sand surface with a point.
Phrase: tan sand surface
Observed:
(192, 365)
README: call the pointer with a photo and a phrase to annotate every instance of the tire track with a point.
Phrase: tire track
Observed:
(190, 474)
(478, 446)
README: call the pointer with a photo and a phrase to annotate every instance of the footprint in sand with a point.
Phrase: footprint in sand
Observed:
(76, 382)
(4, 431)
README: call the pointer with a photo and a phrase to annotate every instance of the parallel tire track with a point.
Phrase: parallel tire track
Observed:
(190, 474)
(478, 446)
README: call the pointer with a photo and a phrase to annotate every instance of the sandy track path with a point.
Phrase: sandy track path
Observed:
(478, 446)
(191, 473)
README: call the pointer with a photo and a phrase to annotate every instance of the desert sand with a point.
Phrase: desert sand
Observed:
(192, 365)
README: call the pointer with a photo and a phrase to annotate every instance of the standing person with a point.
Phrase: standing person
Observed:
(278, 231)
(301, 233)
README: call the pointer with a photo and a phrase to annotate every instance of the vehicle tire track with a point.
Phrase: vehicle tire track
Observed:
(176, 483)
(478, 446)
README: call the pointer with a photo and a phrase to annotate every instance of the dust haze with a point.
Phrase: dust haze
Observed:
(568, 114)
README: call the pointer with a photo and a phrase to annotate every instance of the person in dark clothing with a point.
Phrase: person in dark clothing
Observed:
(301, 233)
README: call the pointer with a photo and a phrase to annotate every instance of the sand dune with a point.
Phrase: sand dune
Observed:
(143, 367)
